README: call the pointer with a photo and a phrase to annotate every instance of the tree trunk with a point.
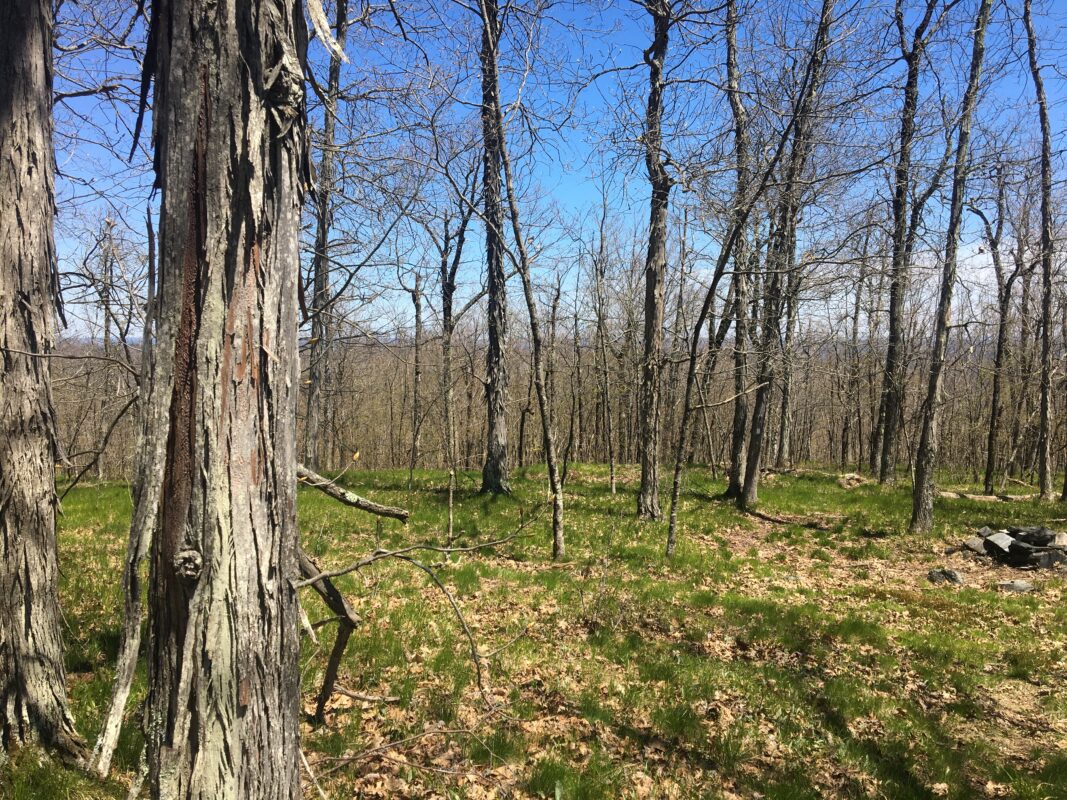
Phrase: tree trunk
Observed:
(223, 706)
(495, 471)
(890, 411)
(523, 265)
(321, 322)
(33, 695)
(784, 454)
(1044, 435)
(781, 251)
(416, 380)
(922, 511)
(599, 270)
(655, 263)
(738, 442)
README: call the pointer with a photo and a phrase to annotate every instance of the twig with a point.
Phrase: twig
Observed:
(349, 498)
(314, 780)
(367, 698)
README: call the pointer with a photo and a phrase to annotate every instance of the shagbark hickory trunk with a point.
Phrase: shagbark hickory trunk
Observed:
(33, 696)
(922, 498)
(495, 470)
(655, 262)
(222, 711)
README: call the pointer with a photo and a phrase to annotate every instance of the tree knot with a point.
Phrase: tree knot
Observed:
(188, 564)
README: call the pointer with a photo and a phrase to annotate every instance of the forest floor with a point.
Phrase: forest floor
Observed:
(803, 657)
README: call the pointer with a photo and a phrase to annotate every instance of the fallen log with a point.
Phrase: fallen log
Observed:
(986, 498)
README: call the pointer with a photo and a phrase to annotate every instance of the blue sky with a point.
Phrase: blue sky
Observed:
(580, 38)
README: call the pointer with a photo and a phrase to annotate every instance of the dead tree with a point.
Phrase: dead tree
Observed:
(922, 512)
(33, 695)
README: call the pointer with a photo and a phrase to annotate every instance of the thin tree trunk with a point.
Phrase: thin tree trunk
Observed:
(223, 705)
(784, 455)
(599, 270)
(890, 410)
(922, 513)
(781, 252)
(416, 380)
(33, 695)
(522, 263)
(495, 470)
(1044, 435)
(655, 262)
(321, 311)
(736, 478)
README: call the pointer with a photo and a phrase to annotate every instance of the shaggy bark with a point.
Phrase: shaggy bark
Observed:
(223, 706)
(33, 695)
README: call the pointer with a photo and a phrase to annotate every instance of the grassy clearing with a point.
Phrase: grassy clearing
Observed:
(767, 659)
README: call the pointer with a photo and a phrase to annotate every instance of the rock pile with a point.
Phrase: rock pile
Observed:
(1033, 547)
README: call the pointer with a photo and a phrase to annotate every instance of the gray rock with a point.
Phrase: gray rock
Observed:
(1034, 535)
(999, 545)
(975, 544)
(1050, 558)
(1016, 585)
(944, 576)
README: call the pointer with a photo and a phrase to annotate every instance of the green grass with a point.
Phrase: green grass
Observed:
(796, 660)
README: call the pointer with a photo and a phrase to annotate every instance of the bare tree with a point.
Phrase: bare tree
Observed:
(322, 297)
(1044, 442)
(661, 182)
(913, 53)
(922, 512)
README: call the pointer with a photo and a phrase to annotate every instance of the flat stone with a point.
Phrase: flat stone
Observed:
(976, 544)
(1016, 585)
(999, 545)
(986, 531)
(944, 576)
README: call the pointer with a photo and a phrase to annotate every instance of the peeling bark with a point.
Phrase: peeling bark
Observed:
(33, 696)
(223, 705)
